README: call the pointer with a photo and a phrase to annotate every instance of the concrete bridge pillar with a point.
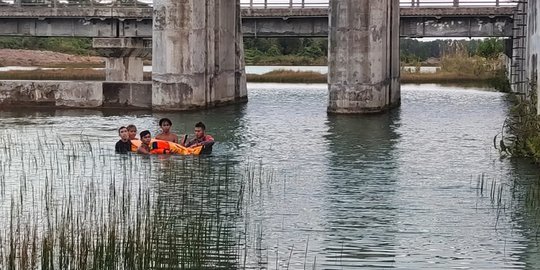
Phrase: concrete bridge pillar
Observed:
(197, 54)
(363, 56)
(533, 46)
(125, 56)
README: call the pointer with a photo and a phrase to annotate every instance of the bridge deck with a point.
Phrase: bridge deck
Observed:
(146, 12)
(271, 22)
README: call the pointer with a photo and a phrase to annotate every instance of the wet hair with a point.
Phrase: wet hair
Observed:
(144, 133)
(131, 127)
(163, 120)
(120, 129)
(200, 125)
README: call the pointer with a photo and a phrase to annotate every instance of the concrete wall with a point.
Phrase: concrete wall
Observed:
(197, 54)
(124, 69)
(125, 95)
(363, 56)
(79, 94)
(533, 48)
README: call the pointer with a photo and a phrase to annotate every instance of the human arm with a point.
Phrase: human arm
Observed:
(206, 141)
(143, 150)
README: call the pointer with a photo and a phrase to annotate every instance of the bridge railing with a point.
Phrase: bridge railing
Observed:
(262, 4)
(268, 4)
(78, 3)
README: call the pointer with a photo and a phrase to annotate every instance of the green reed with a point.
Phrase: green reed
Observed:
(70, 204)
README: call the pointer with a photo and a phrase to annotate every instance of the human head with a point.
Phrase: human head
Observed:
(132, 131)
(200, 128)
(146, 137)
(165, 124)
(123, 133)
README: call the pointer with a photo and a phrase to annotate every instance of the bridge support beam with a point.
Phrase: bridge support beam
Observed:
(124, 60)
(197, 54)
(363, 56)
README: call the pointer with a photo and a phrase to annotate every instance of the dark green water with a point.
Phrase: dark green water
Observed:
(395, 190)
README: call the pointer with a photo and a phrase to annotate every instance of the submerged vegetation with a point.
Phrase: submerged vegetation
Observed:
(73, 204)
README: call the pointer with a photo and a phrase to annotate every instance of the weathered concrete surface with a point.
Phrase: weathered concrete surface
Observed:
(309, 22)
(533, 52)
(127, 95)
(363, 56)
(81, 94)
(197, 54)
(124, 57)
(124, 69)
(51, 93)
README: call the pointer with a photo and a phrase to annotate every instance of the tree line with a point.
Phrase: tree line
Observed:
(287, 51)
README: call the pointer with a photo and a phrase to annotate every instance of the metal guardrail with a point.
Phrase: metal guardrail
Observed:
(262, 4)
(268, 4)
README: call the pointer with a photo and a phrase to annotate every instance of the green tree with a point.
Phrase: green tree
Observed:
(490, 48)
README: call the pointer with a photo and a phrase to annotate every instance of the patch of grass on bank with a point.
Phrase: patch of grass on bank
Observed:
(287, 76)
(520, 136)
(286, 60)
(69, 74)
(497, 80)
(75, 65)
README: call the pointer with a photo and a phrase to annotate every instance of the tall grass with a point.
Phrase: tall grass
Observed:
(520, 133)
(68, 74)
(75, 205)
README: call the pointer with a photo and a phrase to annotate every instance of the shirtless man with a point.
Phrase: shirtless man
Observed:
(166, 134)
(146, 138)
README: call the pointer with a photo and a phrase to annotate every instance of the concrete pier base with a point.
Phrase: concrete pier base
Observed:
(363, 56)
(124, 57)
(197, 54)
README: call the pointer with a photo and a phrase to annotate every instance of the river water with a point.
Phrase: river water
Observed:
(394, 190)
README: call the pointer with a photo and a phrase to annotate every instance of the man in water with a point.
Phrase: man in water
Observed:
(201, 138)
(166, 135)
(146, 138)
(123, 146)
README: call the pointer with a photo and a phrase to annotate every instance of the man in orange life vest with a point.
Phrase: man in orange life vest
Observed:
(148, 147)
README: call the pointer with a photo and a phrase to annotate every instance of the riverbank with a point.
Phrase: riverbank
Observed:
(278, 76)
(455, 68)
(520, 136)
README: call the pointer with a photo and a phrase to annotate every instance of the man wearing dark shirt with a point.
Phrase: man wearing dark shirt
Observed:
(201, 138)
(123, 146)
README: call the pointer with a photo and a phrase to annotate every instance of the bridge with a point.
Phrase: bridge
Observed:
(292, 19)
(198, 56)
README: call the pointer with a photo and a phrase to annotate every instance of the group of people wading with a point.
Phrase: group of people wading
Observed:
(128, 137)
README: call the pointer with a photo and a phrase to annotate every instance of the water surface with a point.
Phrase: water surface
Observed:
(393, 190)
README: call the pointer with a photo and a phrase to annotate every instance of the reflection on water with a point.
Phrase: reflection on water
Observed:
(359, 211)
(287, 185)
